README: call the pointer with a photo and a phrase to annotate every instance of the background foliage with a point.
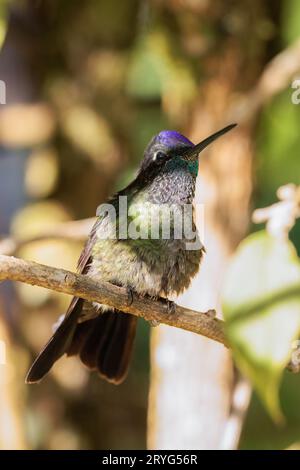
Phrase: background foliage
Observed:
(88, 84)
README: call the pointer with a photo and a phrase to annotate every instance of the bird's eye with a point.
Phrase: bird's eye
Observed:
(158, 156)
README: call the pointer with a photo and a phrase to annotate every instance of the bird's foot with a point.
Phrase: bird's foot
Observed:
(129, 296)
(171, 307)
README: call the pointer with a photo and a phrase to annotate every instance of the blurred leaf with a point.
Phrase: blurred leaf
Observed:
(61, 253)
(64, 438)
(3, 20)
(261, 302)
(26, 125)
(41, 172)
(146, 71)
(278, 152)
(290, 30)
(106, 70)
(279, 147)
(157, 72)
(30, 222)
(70, 374)
(148, 122)
(91, 134)
(37, 217)
(260, 432)
(110, 21)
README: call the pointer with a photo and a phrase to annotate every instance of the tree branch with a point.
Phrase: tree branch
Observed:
(60, 280)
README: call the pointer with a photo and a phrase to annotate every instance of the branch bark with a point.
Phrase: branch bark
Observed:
(60, 280)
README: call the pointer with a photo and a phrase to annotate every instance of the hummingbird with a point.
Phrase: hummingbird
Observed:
(102, 336)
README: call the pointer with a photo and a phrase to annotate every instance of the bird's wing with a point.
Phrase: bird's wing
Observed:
(86, 254)
(62, 337)
(85, 259)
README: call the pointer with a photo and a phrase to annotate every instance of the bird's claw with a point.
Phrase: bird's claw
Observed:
(129, 296)
(171, 307)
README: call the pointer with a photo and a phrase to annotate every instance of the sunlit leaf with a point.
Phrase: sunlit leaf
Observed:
(156, 71)
(30, 222)
(290, 21)
(145, 76)
(95, 137)
(261, 304)
(35, 218)
(41, 172)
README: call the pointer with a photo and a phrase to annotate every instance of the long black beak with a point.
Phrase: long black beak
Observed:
(192, 153)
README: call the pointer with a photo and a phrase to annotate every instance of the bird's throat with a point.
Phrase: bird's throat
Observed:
(193, 167)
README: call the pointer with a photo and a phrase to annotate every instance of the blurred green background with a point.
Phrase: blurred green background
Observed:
(87, 85)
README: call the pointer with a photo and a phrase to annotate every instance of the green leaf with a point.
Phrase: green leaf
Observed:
(145, 74)
(290, 21)
(3, 20)
(261, 305)
(156, 72)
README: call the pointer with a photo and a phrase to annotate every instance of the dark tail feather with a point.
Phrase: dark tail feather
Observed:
(100, 336)
(57, 345)
(105, 343)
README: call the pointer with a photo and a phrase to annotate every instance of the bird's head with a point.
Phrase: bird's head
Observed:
(171, 146)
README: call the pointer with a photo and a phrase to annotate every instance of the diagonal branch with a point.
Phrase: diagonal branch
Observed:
(60, 280)
(275, 78)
